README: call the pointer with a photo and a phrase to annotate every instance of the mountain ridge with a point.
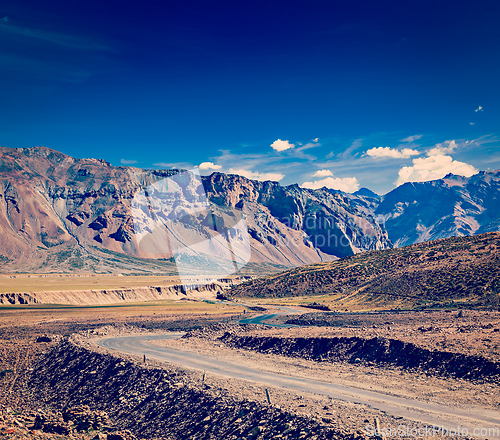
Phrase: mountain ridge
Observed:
(452, 206)
(59, 213)
(75, 215)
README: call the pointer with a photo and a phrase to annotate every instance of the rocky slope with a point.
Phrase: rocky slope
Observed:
(452, 269)
(164, 403)
(448, 207)
(61, 214)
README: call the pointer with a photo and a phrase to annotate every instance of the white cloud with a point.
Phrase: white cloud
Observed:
(471, 123)
(346, 184)
(322, 173)
(256, 175)
(405, 153)
(479, 109)
(445, 148)
(436, 165)
(432, 168)
(209, 166)
(307, 146)
(315, 139)
(127, 161)
(411, 138)
(280, 145)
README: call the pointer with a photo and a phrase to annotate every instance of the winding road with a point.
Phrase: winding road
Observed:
(425, 412)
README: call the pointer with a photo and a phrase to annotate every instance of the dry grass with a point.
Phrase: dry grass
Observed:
(463, 271)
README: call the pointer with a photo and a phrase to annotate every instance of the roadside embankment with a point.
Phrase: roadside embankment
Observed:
(159, 402)
(380, 351)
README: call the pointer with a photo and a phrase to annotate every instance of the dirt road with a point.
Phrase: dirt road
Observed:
(425, 412)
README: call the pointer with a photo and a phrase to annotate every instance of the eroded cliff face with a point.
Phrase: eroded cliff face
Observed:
(61, 214)
(115, 296)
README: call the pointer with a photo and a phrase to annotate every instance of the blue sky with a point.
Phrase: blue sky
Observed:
(350, 94)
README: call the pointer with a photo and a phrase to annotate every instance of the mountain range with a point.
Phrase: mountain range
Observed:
(62, 214)
(448, 207)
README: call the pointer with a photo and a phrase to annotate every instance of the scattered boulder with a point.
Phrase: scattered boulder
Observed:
(43, 339)
(51, 424)
(84, 418)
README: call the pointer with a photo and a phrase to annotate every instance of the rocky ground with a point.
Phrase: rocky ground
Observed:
(468, 332)
(28, 335)
(359, 354)
(154, 400)
(24, 417)
(56, 386)
(69, 391)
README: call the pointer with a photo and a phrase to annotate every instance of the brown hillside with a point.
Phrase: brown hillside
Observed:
(451, 269)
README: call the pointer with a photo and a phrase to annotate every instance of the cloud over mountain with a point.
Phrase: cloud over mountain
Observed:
(276, 177)
(322, 173)
(209, 166)
(436, 165)
(346, 184)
